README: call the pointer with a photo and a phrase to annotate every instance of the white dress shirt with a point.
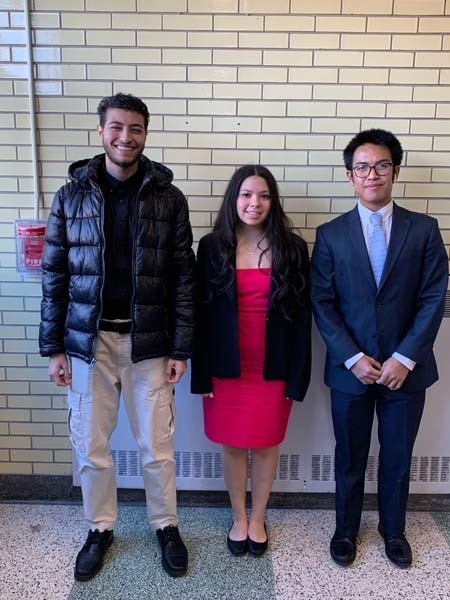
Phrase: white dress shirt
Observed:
(367, 228)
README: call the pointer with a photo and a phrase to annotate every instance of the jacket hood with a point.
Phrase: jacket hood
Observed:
(86, 171)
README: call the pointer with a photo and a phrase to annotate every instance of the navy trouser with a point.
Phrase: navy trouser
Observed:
(399, 416)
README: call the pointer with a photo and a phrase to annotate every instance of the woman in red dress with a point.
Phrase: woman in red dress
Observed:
(252, 348)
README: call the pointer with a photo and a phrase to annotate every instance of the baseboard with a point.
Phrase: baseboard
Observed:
(59, 488)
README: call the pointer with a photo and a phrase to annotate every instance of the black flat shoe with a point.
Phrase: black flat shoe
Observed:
(258, 548)
(343, 550)
(174, 555)
(397, 549)
(90, 557)
(237, 547)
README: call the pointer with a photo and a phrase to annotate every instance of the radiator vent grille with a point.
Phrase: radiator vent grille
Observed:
(127, 463)
(424, 469)
(372, 468)
(208, 465)
(322, 467)
(200, 465)
(430, 468)
(288, 467)
(447, 304)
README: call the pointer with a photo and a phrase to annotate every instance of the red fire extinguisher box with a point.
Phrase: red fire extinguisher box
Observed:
(30, 237)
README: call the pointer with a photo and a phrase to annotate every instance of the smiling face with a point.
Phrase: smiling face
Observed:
(123, 136)
(374, 191)
(253, 202)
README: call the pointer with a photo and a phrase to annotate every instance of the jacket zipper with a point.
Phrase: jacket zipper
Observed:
(102, 223)
(133, 261)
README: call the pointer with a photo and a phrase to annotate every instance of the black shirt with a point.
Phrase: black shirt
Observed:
(120, 210)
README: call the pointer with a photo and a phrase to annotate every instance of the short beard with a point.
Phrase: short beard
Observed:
(120, 163)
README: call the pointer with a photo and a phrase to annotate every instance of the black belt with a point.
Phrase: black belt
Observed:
(117, 327)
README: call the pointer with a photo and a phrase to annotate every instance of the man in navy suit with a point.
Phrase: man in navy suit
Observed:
(378, 290)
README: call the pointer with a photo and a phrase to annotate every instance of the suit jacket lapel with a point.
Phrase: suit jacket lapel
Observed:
(399, 231)
(356, 237)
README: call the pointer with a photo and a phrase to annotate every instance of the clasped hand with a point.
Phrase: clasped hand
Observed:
(391, 373)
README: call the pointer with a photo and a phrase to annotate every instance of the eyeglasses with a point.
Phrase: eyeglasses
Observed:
(381, 168)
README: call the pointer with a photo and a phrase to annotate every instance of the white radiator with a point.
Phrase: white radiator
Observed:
(307, 455)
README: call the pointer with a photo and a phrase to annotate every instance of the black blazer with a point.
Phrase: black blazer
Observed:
(216, 339)
(402, 315)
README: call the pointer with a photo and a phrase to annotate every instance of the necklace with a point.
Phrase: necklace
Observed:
(252, 251)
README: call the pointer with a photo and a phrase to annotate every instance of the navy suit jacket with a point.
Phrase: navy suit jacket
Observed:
(402, 315)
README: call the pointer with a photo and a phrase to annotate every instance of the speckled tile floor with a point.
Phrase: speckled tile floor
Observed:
(39, 543)
(303, 568)
(38, 546)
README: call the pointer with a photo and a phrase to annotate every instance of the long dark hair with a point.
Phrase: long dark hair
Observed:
(288, 250)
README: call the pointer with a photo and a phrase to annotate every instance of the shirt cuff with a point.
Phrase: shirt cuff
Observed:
(353, 360)
(407, 362)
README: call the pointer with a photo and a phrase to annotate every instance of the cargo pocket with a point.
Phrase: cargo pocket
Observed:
(74, 422)
(161, 420)
(173, 415)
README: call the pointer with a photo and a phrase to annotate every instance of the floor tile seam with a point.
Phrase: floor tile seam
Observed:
(443, 528)
(271, 556)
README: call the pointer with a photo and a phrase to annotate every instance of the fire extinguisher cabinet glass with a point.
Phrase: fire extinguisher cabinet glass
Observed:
(30, 236)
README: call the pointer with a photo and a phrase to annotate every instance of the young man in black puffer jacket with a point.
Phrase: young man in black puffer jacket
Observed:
(117, 315)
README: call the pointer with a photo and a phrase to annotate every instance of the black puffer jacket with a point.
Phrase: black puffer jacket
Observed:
(73, 267)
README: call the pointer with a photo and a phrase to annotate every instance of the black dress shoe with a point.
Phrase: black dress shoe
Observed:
(343, 550)
(397, 549)
(237, 547)
(258, 548)
(90, 557)
(173, 551)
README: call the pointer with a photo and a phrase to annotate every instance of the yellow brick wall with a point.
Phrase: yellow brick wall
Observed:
(281, 82)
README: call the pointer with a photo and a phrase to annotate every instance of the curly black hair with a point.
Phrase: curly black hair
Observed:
(125, 102)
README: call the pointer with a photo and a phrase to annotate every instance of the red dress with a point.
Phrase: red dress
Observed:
(249, 412)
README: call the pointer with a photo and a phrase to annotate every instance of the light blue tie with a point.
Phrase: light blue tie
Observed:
(377, 246)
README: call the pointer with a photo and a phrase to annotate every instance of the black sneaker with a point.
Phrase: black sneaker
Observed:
(173, 551)
(90, 557)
